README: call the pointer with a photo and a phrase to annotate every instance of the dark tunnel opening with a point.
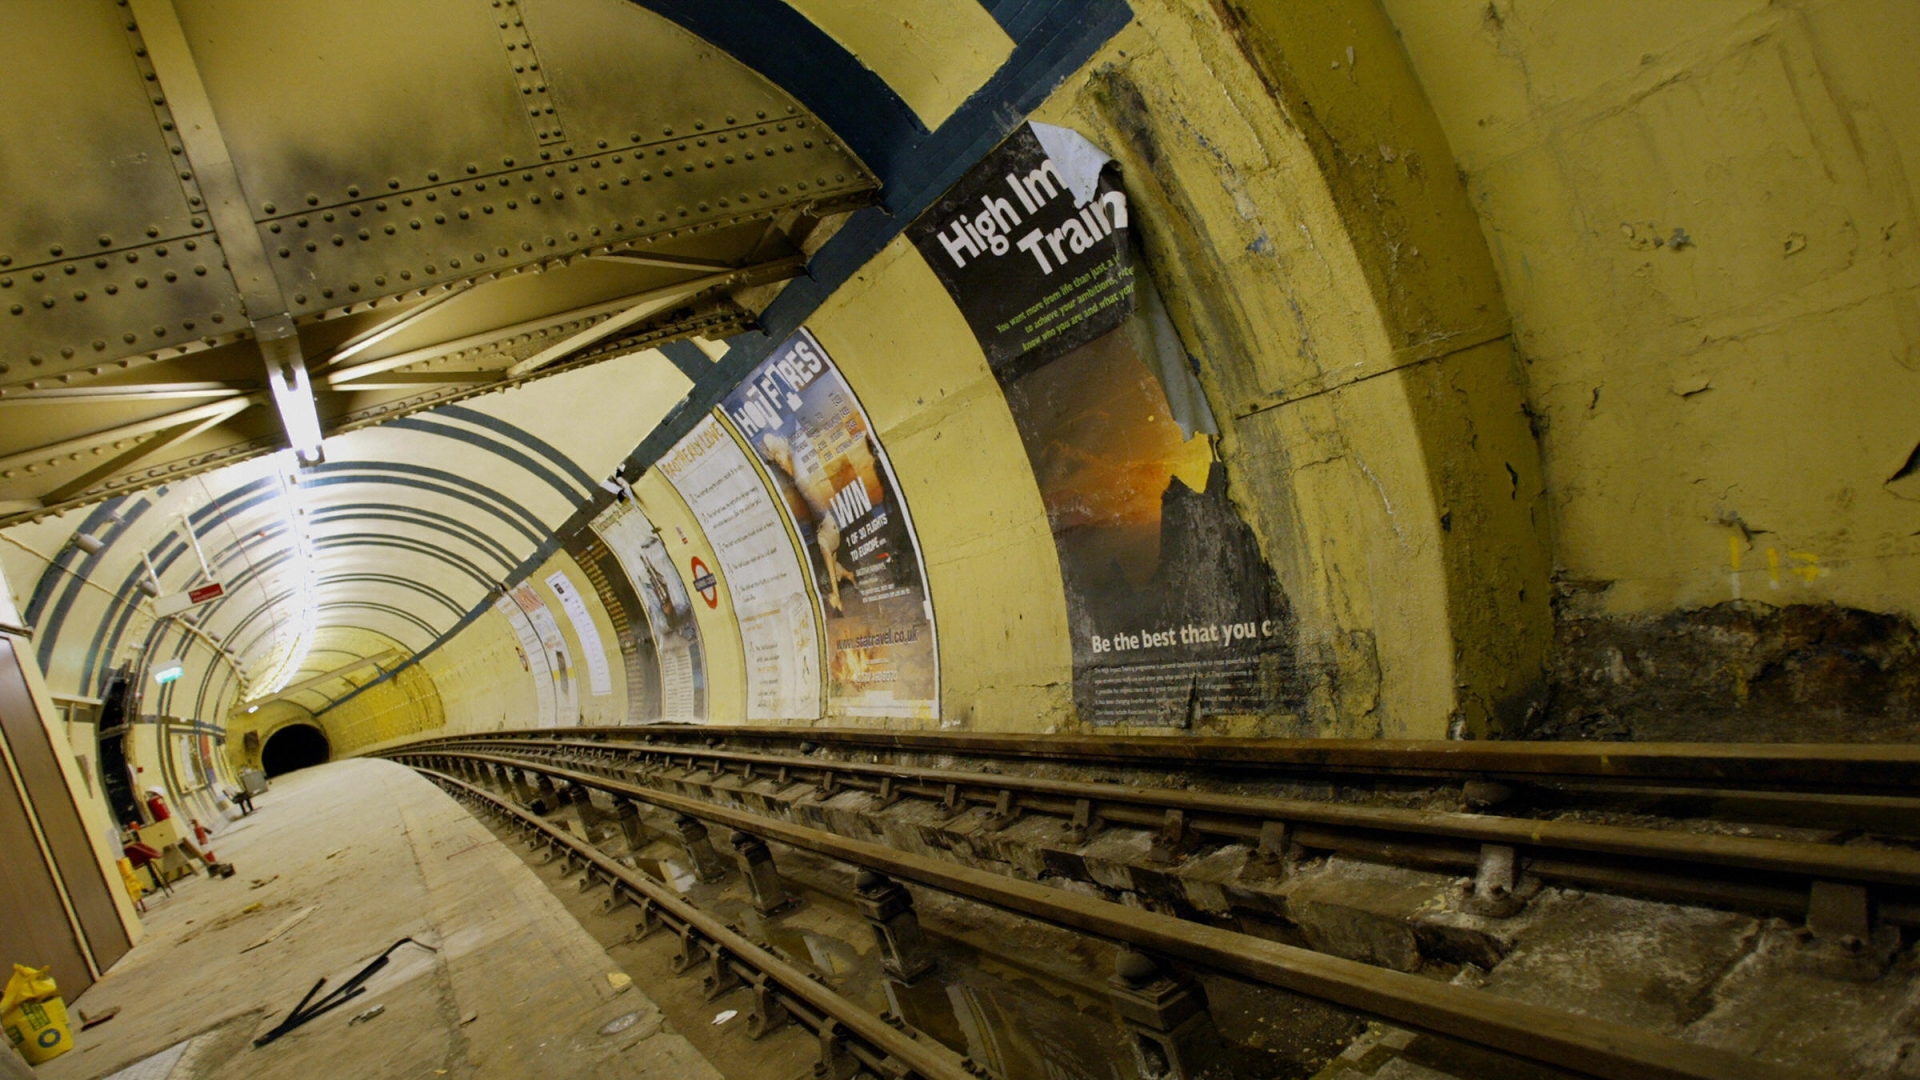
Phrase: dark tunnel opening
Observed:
(295, 746)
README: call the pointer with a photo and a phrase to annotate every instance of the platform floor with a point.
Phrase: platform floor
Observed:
(516, 989)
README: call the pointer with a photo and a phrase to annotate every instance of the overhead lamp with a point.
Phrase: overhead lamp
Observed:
(251, 709)
(88, 543)
(169, 672)
(149, 586)
(292, 390)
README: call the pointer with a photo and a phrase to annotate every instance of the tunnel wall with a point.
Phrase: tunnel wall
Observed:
(1701, 216)
(1561, 358)
(1522, 468)
(1373, 438)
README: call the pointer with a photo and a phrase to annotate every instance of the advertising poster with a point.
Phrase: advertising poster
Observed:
(566, 700)
(599, 679)
(1174, 612)
(625, 530)
(1032, 243)
(801, 418)
(532, 655)
(778, 630)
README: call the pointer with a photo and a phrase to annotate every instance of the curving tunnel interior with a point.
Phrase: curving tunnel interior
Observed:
(1027, 379)
(296, 746)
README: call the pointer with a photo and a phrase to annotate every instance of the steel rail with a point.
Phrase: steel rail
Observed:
(815, 1001)
(1844, 768)
(1582, 1045)
(1241, 817)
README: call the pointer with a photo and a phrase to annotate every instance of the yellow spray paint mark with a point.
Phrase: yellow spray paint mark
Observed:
(1733, 560)
(1810, 567)
(1773, 569)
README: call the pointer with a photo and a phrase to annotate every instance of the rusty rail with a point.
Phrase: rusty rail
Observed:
(733, 961)
(1577, 1044)
(1744, 872)
(1853, 769)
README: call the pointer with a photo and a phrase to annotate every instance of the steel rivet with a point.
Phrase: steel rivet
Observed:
(129, 337)
(434, 177)
(313, 200)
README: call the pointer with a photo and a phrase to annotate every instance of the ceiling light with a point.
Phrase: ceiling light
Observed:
(292, 390)
(169, 672)
(88, 543)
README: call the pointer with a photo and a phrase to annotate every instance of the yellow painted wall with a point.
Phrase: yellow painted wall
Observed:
(933, 53)
(482, 678)
(594, 711)
(1752, 387)
(406, 705)
(1498, 304)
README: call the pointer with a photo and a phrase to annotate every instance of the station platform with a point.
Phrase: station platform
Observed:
(337, 863)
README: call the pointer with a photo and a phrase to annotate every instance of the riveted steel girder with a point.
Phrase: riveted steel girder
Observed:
(382, 153)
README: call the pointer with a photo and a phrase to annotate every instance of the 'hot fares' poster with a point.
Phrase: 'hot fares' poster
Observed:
(804, 423)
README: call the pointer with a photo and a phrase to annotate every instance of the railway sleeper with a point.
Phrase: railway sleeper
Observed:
(1432, 915)
(1225, 957)
(1834, 943)
(852, 1041)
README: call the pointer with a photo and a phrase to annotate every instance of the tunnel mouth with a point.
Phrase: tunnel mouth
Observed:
(296, 746)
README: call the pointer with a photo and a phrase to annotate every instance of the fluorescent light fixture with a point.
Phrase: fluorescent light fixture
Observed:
(292, 390)
(88, 543)
(168, 672)
(253, 708)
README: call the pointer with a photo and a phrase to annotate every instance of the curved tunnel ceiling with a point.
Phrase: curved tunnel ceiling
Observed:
(371, 555)
(572, 189)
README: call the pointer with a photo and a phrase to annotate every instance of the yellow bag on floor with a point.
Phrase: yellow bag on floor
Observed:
(34, 1015)
(127, 878)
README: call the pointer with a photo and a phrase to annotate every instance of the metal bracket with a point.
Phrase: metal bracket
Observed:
(1840, 937)
(1496, 883)
(1174, 839)
(1083, 824)
(767, 1014)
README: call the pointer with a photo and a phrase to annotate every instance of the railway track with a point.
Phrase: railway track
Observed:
(778, 785)
(1200, 794)
(726, 960)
